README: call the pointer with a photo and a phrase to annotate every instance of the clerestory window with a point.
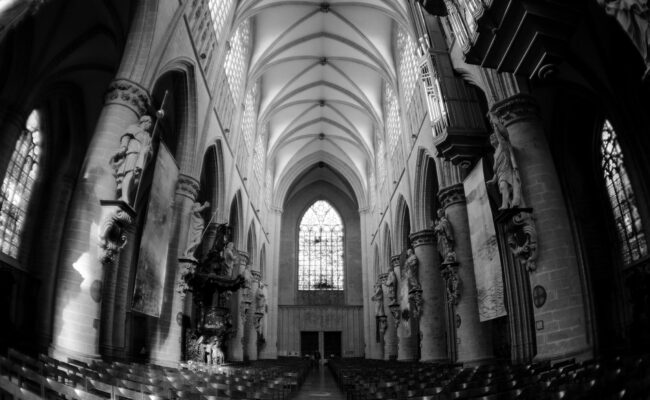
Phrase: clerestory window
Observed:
(320, 248)
(629, 227)
(18, 184)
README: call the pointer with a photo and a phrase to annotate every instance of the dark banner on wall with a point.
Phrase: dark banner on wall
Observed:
(152, 260)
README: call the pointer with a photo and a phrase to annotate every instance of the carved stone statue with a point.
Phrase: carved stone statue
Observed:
(445, 237)
(248, 276)
(391, 284)
(452, 283)
(261, 298)
(411, 270)
(634, 18)
(132, 157)
(229, 259)
(378, 298)
(506, 172)
(197, 225)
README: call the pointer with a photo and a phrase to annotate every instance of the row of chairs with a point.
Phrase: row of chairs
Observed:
(23, 376)
(614, 378)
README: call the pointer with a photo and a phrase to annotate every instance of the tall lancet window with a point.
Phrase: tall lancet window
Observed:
(320, 248)
(629, 227)
(18, 184)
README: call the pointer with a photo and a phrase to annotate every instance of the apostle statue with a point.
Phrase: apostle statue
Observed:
(411, 270)
(378, 298)
(445, 237)
(261, 298)
(197, 225)
(634, 17)
(132, 157)
(506, 172)
(391, 284)
(229, 258)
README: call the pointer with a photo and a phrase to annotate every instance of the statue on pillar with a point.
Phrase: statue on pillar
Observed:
(411, 270)
(445, 237)
(261, 298)
(197, 225)
(506, 171)
(634, 17)
(229, 259)
(391, 284)
(378, 298)
(129, 161)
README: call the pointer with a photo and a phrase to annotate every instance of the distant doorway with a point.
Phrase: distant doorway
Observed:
(308, 342)
(332, 344)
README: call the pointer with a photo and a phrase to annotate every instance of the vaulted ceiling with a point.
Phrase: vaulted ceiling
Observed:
(320, 68)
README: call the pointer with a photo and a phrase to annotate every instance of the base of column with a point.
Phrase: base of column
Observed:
(61, 353)
(476, 361)
(579, 355)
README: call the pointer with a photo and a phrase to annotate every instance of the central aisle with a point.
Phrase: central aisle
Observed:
(320, 384)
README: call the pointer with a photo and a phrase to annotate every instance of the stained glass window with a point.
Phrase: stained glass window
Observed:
(219, 11)
(18, 184)
(258, 158)
(320, 249)
(629, 227)
(235, 62)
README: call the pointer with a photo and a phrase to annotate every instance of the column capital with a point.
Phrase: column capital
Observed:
(451, 195)
(382, 278)
(128, 94)
(394, 261)
(516, 108)
(257, 276)
(188, 186)
(243, 257)
(422, 238)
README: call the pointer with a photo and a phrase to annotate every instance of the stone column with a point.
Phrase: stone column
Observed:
(77, 307)
(251, 324)
(473, 338)
(432, 320)
(168, 333)
(407, 329)
(561, 323)
(390, 337)
(381, 320)
(238, 311)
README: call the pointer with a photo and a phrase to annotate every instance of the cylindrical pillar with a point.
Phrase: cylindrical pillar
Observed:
(238, 310)
(390, 337)
(407, 324)
(432, 320)
(250, 335)
(79, 284)
(561, 323)
(473, 338)
(169, 327)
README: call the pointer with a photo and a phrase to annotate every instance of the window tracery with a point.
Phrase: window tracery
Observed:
(235, 61)
(629, 227)
(18, 185)
(320, 248)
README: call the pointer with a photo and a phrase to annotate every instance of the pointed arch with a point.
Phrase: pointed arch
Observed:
(235, 220)
(425, 190)
(402, 225)
(251, 246)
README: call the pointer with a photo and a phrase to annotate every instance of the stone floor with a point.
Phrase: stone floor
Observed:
(320, 384)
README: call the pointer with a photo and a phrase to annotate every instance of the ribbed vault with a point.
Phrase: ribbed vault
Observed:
(320, 68)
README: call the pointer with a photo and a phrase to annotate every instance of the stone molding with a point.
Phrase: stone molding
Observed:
(451, 195)
(422, 238)
(187, 186)
(517, 108)
(128, 94)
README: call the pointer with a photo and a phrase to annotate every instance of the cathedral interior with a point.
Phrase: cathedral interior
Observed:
(438, 199)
